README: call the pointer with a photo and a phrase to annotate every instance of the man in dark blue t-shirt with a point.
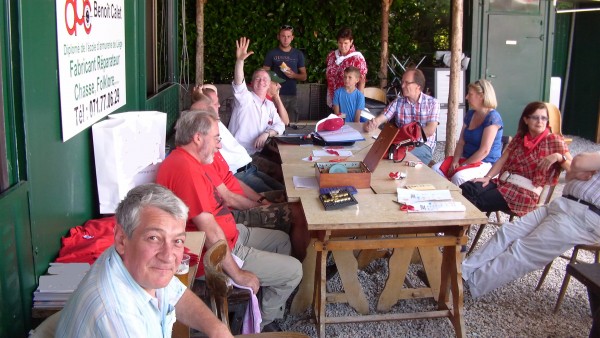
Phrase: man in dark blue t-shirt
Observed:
(288, 63)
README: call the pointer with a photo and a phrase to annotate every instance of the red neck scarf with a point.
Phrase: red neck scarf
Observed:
(529, 143)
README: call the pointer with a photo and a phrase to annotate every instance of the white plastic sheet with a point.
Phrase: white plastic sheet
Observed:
(127, 150)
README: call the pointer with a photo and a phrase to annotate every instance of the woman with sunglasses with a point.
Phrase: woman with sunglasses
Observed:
(480, 143)
(532, 159)
(341, 58)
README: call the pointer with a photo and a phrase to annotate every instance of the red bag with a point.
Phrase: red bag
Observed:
(408, 137)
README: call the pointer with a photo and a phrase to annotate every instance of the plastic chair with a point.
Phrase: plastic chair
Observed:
(573, 260)
(375, 93)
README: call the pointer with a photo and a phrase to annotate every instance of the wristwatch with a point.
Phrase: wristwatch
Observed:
(564, 158)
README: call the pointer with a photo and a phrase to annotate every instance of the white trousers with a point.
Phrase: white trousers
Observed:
(465, 174)
(530, 243)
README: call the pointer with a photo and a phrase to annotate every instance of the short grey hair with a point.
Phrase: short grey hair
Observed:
(129, 211)
(192, 122)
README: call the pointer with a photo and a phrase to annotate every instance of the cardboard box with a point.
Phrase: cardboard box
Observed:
(359, 172)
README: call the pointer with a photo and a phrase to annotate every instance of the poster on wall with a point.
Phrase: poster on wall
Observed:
(91, 61)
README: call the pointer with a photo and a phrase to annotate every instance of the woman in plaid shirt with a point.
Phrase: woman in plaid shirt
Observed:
(534, 158)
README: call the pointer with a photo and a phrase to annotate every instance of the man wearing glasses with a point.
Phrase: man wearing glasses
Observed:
(288, 63)
(264, 253)
(413, 105)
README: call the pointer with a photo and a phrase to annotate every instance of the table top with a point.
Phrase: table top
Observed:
(379, 211)
(375, 208)
(293, 154)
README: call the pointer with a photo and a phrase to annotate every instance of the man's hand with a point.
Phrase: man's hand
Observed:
(579, 175)
(290, 73)
(261, 140)
(370, 125)
(273, 90)
(241, 51)
(247, 278)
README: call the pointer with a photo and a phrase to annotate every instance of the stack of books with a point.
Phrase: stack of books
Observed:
(58, 284)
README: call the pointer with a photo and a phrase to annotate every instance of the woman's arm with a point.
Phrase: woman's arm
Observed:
(495, 169)
(458, 150)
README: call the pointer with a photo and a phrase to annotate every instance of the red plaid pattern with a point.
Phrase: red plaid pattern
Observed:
(427, 109)
(520, 200)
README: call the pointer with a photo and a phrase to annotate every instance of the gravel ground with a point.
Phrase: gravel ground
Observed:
(515, 310)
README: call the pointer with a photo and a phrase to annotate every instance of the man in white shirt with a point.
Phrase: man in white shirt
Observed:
(255, 118)
(236, 156)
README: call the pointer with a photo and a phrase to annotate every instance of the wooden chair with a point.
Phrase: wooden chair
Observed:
(225, 300)
(555, 120)
(47, 328)
(375, 93)
(505, 141)
(595, 248)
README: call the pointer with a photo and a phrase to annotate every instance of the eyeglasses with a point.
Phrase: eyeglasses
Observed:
(538, 118)
(218, 138)
(406, 83)
(287, 28)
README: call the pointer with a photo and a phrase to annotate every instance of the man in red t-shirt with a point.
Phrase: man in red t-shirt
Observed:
(265, 252)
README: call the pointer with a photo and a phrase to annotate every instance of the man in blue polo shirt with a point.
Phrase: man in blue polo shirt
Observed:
(288, 64)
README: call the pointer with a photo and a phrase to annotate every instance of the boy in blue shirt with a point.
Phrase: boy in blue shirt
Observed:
(348, 100)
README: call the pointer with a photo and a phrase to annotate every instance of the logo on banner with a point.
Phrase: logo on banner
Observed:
(72, 18)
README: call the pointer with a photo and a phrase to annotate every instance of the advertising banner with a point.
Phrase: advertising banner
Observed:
(91, 61)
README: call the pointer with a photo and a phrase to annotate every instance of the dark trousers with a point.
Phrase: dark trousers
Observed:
(486, 199)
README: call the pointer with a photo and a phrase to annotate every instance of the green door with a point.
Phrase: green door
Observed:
(515, 56)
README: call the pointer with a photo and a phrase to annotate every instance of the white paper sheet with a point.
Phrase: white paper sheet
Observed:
(345, 153)
(411, 196)
(305, 182)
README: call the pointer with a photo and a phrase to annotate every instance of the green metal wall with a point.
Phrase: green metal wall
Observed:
(59, 190)
(17, 280)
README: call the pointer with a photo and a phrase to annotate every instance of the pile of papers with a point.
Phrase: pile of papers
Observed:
(344, 134)
(56, 287)
(428, 200)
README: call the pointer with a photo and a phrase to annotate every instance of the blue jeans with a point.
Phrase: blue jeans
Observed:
(258, 180)
(424, 153)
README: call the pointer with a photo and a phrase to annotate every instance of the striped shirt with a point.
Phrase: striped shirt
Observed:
(110, 303)
(427, 109)
(588, 191)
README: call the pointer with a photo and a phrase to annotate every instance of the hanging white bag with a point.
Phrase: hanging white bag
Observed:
(128, 148)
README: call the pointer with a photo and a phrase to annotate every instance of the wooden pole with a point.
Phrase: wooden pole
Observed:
(200, 41)
(385, 25)
(456, 52)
